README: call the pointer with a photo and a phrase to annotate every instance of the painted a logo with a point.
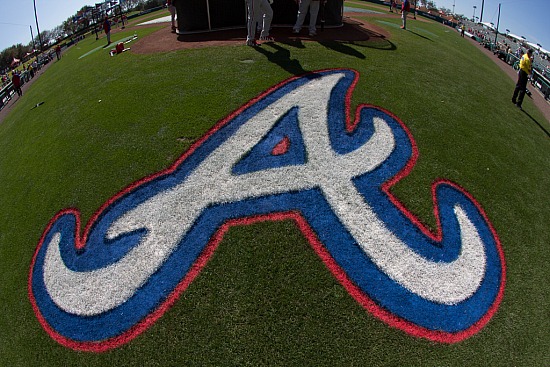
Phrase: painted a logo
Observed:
(294, 152)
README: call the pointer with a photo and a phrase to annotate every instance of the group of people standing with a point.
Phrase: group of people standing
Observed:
(260, 15)
(260, 12)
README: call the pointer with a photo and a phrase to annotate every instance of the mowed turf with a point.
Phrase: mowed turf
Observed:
(265, 298)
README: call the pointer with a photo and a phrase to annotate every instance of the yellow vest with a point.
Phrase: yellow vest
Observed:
(525, 63)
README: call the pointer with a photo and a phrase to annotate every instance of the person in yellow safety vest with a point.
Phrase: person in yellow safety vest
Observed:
(525, 67)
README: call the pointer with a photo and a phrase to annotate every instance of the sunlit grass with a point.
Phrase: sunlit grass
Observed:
(265, 298)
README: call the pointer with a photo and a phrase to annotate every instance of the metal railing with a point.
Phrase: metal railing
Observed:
(542, 83)
(7, 92)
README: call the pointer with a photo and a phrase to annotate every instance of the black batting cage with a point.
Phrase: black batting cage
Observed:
(207, 15)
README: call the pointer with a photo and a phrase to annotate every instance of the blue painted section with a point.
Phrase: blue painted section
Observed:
(374, 283)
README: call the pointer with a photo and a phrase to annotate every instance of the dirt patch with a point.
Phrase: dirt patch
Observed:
(352, 31)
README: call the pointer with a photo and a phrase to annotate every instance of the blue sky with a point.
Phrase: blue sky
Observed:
(529, 18)
(17, 16)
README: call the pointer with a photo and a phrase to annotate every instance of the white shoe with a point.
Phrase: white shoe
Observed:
(312, 34)
(296, 31)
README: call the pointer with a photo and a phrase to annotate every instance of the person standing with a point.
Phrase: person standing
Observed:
(107, 29)
(58, 52)
(258, 9)
(405, 8)
(525, 67)
(303, 6)
(16, 80)
(172, 10)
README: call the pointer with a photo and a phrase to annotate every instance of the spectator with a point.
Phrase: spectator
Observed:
(58, 52)
(16, 80)
(525, 69)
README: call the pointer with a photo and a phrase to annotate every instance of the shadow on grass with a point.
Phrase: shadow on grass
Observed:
(383, 45)
(296, 43)
(538, 123)
(281, 57)
(342, 48)
(421, 36)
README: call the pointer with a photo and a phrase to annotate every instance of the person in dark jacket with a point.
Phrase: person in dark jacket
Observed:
(16, 80)
(107, 29)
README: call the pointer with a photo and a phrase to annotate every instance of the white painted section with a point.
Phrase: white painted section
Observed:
(169, 215)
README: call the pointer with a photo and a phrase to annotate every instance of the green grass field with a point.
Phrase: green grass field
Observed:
(265, 298)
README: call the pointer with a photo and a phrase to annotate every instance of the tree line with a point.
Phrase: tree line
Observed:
(71, 26)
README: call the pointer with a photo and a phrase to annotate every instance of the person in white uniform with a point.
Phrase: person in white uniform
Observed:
(304, 5)
(258, 11)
